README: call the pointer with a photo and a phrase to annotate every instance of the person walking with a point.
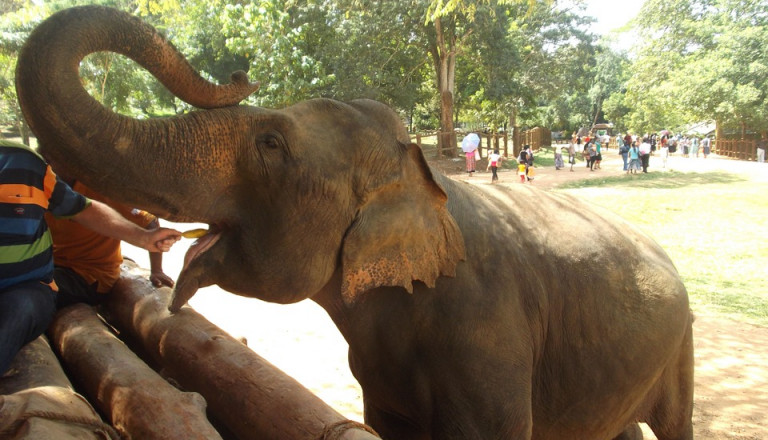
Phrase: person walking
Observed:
(572, 154)
(469, 146)
(645, 154)
(664, 153)
(591, 156)
(599, 152)
(521, 169)
(559, 157)
(695, 147)
(529, 162)
(624, 152)
(585, 153)
(634, 159)
(706, 145)
(494, 160)
(628, 140)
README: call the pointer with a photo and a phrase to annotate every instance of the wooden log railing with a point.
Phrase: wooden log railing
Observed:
(139, 403)
(250, 396)
(37, 401)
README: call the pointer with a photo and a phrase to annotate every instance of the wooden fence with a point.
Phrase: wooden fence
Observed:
(488, 141)
(744, 149)
(536, 138)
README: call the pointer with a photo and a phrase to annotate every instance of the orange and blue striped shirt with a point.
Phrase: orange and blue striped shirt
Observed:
(29, 188)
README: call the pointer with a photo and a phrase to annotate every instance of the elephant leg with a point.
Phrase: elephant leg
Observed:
(391, 426)
(633, 432)
(671, 413)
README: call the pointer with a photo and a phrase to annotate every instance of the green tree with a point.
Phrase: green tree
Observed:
(16, 21)
(706, 59)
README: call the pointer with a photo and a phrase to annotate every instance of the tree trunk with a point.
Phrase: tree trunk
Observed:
(517, 143)
(445, 63)
(598, 106)
(447, 136)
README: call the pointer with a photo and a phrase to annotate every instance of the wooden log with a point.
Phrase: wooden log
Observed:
(251, 397)
(37, 401)
(140, 403)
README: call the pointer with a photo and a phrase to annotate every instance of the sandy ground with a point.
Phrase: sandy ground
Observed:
(731, 396)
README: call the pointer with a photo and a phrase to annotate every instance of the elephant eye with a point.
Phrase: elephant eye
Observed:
(270, 140)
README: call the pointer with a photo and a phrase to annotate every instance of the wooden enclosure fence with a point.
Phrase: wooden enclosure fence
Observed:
(536, 138)
(744, 149)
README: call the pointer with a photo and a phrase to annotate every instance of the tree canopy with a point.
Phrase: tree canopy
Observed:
(487, 63)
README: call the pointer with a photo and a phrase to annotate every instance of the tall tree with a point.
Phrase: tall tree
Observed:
(705, 59)
(448, 26)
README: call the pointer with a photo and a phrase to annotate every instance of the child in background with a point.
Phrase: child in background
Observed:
(531, 173)
(494, 160)
(521, 171)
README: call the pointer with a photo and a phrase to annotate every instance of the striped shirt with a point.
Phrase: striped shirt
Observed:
(29, 188)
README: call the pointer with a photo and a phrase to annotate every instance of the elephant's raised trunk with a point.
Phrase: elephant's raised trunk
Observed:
(76, 132)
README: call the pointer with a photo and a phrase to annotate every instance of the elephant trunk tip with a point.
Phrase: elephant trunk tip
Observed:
(182, 293)
(239, 77)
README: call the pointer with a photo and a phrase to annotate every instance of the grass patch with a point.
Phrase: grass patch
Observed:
(713, 226)
(656, 180)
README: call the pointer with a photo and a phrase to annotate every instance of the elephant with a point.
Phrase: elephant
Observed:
(468, 313)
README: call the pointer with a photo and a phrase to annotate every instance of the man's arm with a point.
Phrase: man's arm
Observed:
(106, 221)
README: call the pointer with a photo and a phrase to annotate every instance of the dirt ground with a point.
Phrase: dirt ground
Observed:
(731, 394)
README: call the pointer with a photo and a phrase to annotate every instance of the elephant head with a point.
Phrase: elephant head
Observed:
(293, 197)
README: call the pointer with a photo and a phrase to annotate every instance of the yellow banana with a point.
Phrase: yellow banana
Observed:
(194, 233)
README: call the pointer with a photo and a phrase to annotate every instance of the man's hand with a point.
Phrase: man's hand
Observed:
(161, 239)
(106, 221)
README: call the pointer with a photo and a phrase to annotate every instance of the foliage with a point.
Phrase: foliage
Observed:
(504, 62)
(701, 60)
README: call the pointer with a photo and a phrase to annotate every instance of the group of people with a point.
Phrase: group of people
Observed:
(635, 153)
(591, 152)
(60, 245)
(559, 164)
(525, 168)
(470, 145)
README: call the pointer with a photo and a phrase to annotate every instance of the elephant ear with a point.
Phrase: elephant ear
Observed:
(403, 233)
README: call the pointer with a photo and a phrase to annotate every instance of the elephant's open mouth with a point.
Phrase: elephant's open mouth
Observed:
(201, 245)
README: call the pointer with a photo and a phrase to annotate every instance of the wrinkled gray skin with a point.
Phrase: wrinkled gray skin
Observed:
(470, 312)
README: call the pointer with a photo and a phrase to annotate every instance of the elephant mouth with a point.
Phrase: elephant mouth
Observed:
(201, 245)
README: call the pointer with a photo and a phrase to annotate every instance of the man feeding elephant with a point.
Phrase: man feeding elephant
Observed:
(86, 263)
(29, 189)
(329, 201)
